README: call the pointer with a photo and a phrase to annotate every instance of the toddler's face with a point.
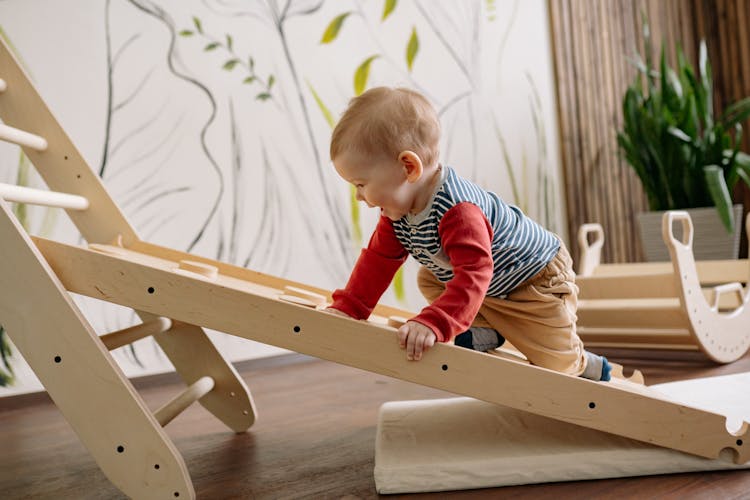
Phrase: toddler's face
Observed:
(379, 183)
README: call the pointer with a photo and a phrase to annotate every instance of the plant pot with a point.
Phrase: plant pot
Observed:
(710, 241)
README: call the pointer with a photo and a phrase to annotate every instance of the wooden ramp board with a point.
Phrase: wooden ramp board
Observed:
(463, 443)
(247, 309)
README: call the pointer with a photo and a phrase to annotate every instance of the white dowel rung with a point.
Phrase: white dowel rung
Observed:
(129, 335)
(21, 194)
(193, 393)
(3, 85)
(22, 138)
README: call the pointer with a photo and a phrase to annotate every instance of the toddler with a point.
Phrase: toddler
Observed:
(488, 271)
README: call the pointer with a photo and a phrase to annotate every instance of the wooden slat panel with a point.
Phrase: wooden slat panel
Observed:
(638, 339)
(710, 272)
(652, 313)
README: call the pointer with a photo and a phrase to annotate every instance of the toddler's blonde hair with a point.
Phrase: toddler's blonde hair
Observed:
(384, 121)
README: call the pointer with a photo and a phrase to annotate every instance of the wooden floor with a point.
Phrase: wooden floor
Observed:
(314, 439)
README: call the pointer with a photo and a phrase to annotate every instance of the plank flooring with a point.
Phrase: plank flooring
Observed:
(314, 438)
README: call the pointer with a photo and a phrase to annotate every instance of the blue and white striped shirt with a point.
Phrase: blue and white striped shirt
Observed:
(520, 247)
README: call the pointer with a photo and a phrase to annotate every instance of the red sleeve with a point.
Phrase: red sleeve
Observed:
(466, 237)
(372, 273)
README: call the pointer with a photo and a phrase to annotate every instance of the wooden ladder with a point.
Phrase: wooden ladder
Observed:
(72, 362)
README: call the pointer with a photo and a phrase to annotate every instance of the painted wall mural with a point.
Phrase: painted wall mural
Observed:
(209, 122)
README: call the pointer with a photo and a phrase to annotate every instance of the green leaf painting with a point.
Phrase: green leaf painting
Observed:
(412, 48)
(230, 64)
(332, 31)
(491, 10)
(354, 208)
(327, 115)
(398, 284)
(388, 7)
(227, 43)
(353, 202)
(362, 74)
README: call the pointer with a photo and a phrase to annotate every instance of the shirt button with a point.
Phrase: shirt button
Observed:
(414, 230)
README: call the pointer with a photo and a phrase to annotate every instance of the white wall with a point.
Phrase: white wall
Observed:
(199, 163)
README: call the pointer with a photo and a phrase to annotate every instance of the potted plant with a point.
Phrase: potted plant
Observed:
(684, 156)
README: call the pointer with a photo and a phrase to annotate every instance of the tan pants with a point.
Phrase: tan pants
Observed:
(538, 317)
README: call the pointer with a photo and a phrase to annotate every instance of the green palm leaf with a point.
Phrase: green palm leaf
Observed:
(717, 187)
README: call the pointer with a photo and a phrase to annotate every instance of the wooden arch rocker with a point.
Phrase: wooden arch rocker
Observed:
(682, 305)
(177, 294)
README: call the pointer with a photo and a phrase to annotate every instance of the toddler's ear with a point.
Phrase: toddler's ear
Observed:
(412, 164)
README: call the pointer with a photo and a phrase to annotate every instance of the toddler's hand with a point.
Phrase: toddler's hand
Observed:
(336, 312)
(416, 338)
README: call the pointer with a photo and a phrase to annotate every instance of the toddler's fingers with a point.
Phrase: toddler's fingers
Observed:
(403, 333)
(410, 345)
(424, 342)
(420, 345)
(429, 342)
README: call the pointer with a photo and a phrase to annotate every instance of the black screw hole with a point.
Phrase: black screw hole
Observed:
(120, 449)
(58, 359)
(176, 493)
(592, 405)
(739, 442)
(156, 466)
(297, 329)
(151, 289)
(445, 368)
(66, 157)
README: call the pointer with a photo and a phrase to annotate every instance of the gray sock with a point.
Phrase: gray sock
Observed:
(597, 367)
(485, 339)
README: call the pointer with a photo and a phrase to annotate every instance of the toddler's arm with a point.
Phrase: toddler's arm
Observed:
(372, 273)
(466, 238)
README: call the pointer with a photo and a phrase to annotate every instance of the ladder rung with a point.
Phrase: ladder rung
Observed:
(193, 393)
(3, 85)
(22, 138)
(129, 335)
(21, 194)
